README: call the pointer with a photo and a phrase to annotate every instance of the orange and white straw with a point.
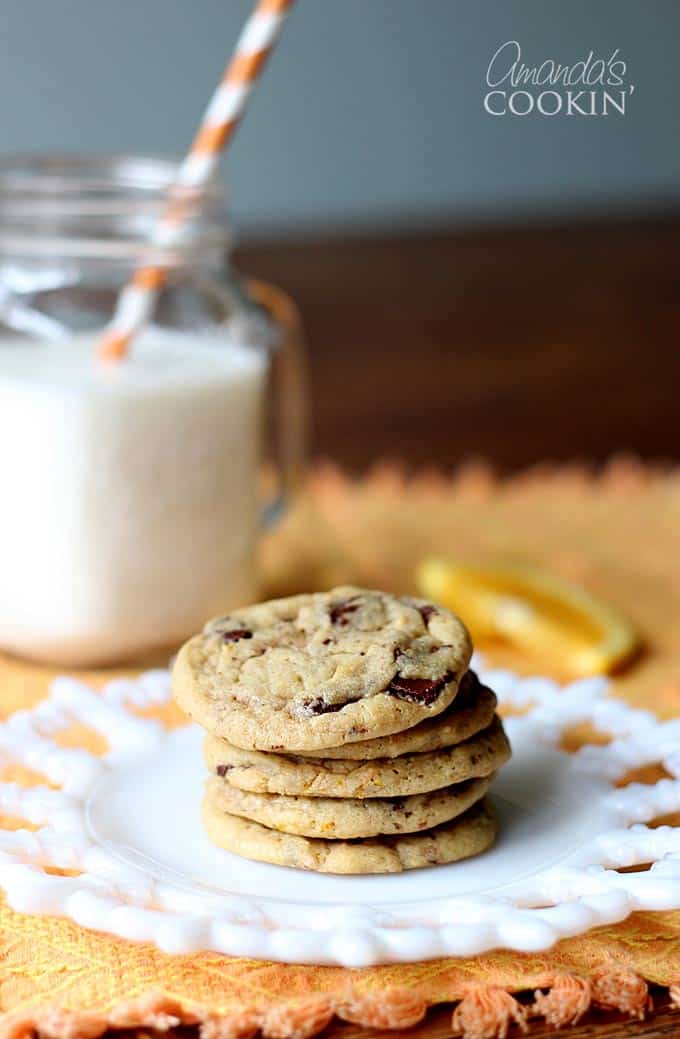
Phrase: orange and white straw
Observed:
(137, 301)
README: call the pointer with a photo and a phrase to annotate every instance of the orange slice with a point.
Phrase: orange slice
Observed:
(533, 610)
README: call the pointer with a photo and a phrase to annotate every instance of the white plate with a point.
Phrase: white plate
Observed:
(130, 821)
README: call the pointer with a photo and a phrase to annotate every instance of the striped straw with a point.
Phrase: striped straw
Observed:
(137, 300)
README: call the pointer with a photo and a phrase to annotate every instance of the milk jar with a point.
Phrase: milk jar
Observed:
(129, 503)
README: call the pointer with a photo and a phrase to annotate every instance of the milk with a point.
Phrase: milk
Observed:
(128, 492)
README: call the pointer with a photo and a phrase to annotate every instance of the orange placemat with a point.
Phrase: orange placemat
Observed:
(619, 534)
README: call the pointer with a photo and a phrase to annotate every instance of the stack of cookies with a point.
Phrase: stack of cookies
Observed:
(345, 733)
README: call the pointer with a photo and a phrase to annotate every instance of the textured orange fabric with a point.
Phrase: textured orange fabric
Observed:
(619, 534)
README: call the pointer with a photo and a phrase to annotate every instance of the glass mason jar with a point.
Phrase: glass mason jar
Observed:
(130, 500)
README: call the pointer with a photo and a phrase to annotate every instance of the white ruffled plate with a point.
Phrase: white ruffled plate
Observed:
(130, 823)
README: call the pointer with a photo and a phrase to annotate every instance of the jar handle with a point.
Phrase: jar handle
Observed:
(289, 406)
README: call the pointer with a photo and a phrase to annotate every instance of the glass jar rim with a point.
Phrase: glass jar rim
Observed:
(105, 206)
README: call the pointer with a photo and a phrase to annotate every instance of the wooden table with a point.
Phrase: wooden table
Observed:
(514, 345)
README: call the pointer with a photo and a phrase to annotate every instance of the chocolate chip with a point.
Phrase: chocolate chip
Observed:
(418, 690)
(236, 634)
(340, 612)
(319, 706)
(327, 642)
(426, 612)
(222, 770)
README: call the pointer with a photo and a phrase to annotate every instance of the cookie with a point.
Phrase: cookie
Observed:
(470, 834)
(410, 774)
(347, 818)
(317, 671)
(471, 711)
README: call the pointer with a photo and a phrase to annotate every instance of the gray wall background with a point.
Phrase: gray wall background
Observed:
(370, 113)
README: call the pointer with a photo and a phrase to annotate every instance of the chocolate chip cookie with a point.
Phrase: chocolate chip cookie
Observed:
(472, 710)
(347, 818)
(470, 834)
(322, 670)
(404, 776)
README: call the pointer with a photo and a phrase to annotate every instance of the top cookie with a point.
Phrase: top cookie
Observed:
(317, 671)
